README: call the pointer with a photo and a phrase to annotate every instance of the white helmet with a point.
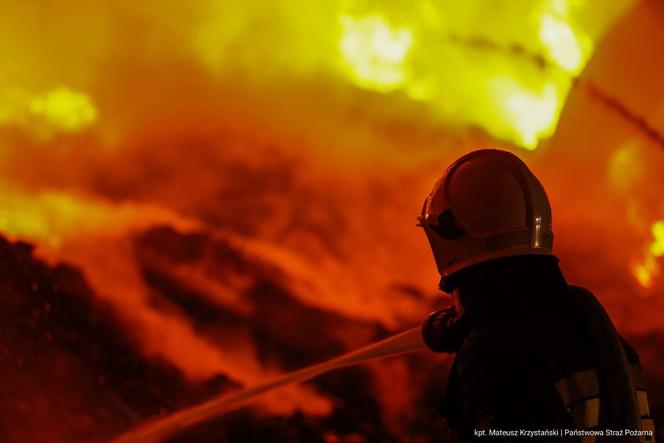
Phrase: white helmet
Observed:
(486, 205)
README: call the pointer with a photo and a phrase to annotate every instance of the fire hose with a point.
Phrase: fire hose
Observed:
(619, 407)
(158, 429)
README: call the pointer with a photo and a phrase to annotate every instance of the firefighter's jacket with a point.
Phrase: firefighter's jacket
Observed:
(526, 363)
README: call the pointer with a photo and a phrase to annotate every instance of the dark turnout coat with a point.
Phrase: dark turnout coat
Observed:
(533, 353)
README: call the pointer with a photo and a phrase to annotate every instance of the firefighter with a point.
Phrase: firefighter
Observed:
(532, 352)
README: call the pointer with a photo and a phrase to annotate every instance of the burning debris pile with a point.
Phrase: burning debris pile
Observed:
(72, 375)
(200, 196)
(68, 374)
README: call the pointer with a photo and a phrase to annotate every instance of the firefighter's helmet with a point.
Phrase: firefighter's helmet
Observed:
(486, 205)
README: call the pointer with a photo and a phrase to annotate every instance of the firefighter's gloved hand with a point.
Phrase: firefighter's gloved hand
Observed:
(444, 331)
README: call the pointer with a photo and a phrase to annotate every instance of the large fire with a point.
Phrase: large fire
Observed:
(648, 269)
(220, 192)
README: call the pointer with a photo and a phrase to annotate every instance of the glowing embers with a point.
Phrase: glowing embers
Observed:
(648, 269)
(374, 51)
(59, 110)
(64, 109)
(657, 246)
